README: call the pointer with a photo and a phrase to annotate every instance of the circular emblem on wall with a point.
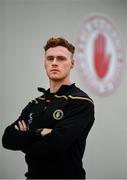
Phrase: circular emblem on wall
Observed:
(100, 55)
(58, 114)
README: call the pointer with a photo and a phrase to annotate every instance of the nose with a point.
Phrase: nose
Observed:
(54, 62)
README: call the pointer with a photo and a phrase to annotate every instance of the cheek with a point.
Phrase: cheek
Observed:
(46, 65)
(67, 67)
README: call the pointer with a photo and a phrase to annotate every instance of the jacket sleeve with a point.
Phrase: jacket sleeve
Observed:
(75, 124)
(17, 140)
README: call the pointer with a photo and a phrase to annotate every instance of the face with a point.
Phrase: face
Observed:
(58, 63)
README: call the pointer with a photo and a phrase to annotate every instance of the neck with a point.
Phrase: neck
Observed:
(55, 85)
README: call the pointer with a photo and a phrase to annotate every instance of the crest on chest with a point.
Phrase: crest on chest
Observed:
(58, 114)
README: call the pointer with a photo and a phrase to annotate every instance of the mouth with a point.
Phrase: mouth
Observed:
(54, 70)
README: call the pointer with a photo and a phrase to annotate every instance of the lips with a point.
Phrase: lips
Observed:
(54, 70)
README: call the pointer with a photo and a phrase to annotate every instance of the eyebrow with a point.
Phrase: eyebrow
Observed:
(57, 56)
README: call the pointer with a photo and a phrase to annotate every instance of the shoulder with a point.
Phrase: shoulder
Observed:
(77, 94)
(40, 98)
(37, 100)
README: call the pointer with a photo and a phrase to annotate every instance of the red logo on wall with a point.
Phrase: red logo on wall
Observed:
(100, 55)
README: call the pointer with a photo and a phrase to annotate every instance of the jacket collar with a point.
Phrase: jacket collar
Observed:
(61, 91)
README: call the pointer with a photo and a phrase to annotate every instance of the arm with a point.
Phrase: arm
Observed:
(77, 121)
(23, 127)
(13, 138)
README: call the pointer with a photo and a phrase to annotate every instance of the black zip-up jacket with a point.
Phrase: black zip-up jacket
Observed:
(57, 155)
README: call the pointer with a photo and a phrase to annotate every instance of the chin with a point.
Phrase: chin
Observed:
(55, 78)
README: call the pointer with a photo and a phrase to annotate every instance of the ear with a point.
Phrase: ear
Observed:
(72, 63)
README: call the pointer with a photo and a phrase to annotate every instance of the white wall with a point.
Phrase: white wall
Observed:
(25, 25)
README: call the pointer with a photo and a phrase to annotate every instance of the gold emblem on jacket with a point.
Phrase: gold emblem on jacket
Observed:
(58, 114)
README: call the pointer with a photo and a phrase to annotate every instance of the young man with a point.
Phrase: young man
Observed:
(52, 129)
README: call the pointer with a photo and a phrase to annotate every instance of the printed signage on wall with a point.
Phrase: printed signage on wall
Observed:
(100, 55)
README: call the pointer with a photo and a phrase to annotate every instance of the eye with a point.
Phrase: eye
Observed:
(61, 58)
(50, 58)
